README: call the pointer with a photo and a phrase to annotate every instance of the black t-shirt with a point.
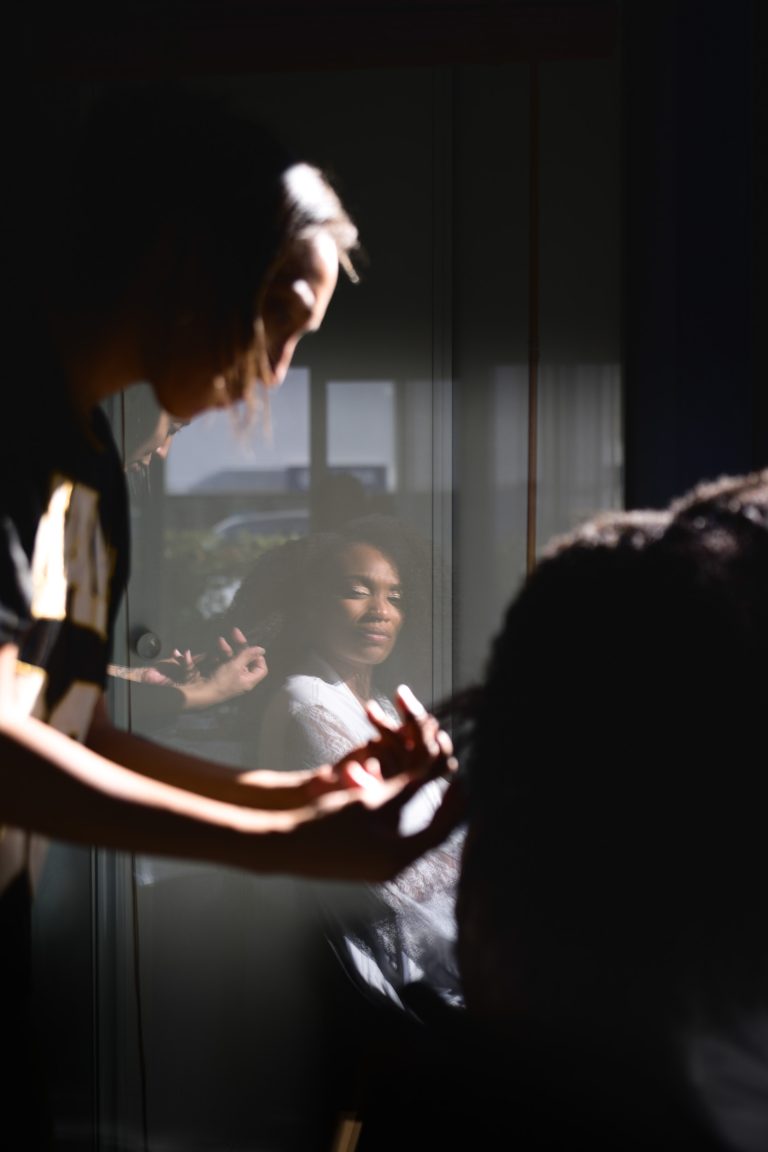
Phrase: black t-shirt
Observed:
(64, 551)
(64, 557)
(63, 554)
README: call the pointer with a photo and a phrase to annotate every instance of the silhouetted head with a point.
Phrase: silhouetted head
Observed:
(615, 754)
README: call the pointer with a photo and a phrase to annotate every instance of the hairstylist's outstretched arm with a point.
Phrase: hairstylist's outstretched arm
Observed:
(338, 821)
(186, 249)
(367, 791)
(358, 835)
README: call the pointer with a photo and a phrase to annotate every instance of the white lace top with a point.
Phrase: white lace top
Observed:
(390, 934)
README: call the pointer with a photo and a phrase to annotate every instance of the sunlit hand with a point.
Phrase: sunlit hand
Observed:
(243, 667)
(240, 669)
(417, 747)
(418, 742)
(356, 833)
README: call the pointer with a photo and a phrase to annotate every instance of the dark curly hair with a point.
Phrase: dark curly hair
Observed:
(614, 752)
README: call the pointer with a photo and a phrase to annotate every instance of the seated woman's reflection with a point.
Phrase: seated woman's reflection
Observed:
(164, 687)
(345, 617)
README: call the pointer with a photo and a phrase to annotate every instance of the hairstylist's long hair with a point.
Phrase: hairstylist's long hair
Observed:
(179, 176)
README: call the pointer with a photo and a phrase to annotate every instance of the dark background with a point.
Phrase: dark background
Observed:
(694, 111)
(693, 117)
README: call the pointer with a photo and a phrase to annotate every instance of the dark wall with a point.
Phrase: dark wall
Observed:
(694, 355)
(694, 113)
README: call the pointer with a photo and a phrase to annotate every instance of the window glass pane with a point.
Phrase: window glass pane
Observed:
(470, 387)
(361, 432)
(214, 454)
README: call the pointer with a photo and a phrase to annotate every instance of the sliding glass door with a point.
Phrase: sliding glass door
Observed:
(470, 386)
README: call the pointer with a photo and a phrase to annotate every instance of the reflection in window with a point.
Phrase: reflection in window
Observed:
(361, 429)
(213, 455)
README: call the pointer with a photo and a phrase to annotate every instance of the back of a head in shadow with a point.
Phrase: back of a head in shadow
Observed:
(611, 888)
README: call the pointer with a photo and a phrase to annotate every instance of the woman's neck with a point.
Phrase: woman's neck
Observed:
(357, 677)
(360, 683)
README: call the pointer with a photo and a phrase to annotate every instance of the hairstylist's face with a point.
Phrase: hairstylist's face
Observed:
(296, 299)
(363, 615)
(190, 378)
(157, 442)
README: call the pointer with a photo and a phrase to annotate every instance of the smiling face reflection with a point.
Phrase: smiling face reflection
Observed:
(361, 612)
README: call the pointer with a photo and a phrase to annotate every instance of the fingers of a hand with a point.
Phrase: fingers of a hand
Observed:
(372, 766)
(367, 819)
(439, 745)
(254, 652)
(435, 738)
(416, 738)
(239, 636)
(409, 706)
(446, 749)
(349, 775)
(253, 660)
(328, 778)
(225, 647)
(366, 775)
(452, 812)
(422, 724)
(420, 762)
(417, 723)
(359, 768)
(428, 730)
(378, 717)
(257, 670)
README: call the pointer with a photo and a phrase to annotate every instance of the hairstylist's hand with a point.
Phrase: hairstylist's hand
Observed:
(417, 741)
(355, 833)
(242, 667)
(412, 752)
(239, 668)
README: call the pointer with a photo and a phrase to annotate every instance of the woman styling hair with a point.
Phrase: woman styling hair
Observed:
(171, 241)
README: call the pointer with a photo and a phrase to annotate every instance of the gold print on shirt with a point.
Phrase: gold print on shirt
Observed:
(71, 559)
(49, 581)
